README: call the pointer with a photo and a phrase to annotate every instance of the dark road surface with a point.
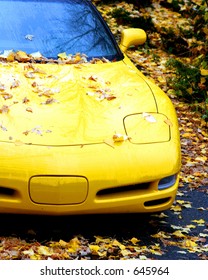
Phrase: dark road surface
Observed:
(122, 227)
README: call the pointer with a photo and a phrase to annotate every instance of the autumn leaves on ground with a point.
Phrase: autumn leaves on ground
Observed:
(167, 26)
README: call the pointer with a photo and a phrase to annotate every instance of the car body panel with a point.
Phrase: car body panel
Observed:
(69, 104)
(85, 138)
(104, 165)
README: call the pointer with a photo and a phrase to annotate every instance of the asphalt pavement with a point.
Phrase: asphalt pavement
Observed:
(191, 221)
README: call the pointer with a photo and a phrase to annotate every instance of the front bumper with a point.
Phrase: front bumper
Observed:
(120, 179)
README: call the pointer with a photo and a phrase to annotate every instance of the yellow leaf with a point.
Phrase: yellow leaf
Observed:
(189, 243)
(29, 252)
(94, 249)
(119, 137)
(203, 159)
(176, 208)
(62, 243)
(134, 240)
(191, 226)
(18, 143)
(142, 257)
(204, 72)
(168, 122)
(125, 252)
(180, 201)
(160, 234)
(201, 221)
(62, 55)
(156, 252)
(190, 90)
(117, 243)
(46, 251)
(203, 80)
(22, 56)
(74, 244)
(100, 239)
(178, 234)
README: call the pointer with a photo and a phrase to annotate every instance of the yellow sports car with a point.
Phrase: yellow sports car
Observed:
(82, 131)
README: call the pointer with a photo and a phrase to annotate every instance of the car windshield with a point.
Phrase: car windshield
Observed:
(51, 27)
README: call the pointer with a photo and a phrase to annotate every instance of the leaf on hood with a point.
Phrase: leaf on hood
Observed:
(93, 78)
(50, 101)
(30, 75)
(2, 87)
(29, 109)
(15, 84)
(25, 100)
(6, 95)
(18, 143)
(120, 137)
(4, 109)
(3, 128)
(168, 122)
(148, 117)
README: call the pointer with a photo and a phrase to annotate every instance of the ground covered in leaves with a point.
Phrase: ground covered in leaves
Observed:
(140, 237)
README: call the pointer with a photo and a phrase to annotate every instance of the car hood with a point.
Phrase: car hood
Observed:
(53, 104)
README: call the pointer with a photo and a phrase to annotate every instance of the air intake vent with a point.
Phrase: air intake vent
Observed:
(123, 189)
(157, 202)
(7, 192)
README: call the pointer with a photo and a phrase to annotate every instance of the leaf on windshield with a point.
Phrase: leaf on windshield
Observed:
(29, 37)
(71, 59)
(37, 56)
(22, 56)
(63, 55)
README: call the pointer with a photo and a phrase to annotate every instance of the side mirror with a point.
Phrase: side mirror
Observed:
(132, 37)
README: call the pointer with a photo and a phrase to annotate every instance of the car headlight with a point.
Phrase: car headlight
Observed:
(167, 182)
(146, 128)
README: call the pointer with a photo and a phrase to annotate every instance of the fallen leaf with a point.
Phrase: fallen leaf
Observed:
(148, 117)
(120, 137)
(4, 109)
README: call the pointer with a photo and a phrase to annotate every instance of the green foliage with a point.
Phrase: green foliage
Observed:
(124, 17)
(189, 84)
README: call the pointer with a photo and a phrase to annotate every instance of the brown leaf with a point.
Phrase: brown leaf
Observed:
(4, 109)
